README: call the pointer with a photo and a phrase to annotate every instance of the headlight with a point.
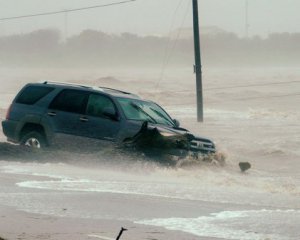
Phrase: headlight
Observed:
(167, 134)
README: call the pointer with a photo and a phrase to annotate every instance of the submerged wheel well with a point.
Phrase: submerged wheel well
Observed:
(29, 127)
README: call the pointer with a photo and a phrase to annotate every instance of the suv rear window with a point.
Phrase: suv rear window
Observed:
(31, 94)
(70, 101)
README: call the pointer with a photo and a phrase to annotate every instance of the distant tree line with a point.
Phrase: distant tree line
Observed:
(95, 49)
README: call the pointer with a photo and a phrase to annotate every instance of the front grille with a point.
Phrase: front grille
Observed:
(201, 145)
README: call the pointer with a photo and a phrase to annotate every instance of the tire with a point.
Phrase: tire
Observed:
(34, 140)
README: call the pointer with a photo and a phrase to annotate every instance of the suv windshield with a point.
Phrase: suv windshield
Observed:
(135, 109)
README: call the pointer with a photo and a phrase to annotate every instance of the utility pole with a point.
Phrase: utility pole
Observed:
(198, 66)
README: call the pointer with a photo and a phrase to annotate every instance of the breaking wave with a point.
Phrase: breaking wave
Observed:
(236, 225)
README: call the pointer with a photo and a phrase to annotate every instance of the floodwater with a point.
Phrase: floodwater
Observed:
(251, 114)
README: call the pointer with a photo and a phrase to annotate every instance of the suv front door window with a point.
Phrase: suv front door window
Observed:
(98, 104)
(97, 125)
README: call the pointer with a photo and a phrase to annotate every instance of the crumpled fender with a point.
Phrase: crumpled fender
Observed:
(154, 137)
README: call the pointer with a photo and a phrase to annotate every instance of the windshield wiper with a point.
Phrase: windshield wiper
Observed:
(162, 116)
(137, 107)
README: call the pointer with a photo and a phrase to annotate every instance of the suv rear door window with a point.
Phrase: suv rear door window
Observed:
(31, 94)
(97, 104)
(70, 101)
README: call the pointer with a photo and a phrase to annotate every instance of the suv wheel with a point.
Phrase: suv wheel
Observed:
(33, 140)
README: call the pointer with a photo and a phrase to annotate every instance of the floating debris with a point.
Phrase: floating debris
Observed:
(244, 166)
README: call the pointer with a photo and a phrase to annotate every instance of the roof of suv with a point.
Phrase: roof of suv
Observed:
(110, 91)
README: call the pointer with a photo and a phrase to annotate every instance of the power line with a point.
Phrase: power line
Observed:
(168, 46)
(172, 48)
(66, 11)
(245, 86)
(266, 97)
(253, 85)
(247, 18)
(242, 99)
(258, 97)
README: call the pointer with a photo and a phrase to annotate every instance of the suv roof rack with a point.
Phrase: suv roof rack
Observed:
(65, 83)
(89, 87)
(113, 89)
(120, 91)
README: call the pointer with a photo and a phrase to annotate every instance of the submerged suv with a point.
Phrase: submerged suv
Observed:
(60, 114)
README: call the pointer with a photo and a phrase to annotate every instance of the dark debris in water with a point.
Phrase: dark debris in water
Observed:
(244, 166)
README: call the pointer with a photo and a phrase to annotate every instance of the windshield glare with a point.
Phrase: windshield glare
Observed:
(144, 111)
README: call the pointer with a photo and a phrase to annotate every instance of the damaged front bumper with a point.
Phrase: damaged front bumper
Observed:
(155, 140)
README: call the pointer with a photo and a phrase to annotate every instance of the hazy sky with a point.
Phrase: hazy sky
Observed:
(153, 16)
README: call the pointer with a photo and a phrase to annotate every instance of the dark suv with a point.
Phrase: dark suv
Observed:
(60, 114)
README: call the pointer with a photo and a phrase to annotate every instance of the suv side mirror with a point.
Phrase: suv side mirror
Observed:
(111, 113)
(176, 122)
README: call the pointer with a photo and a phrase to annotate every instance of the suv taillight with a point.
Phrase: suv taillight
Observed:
(8, 112)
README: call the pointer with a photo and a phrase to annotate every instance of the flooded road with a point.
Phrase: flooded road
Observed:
(198, 201)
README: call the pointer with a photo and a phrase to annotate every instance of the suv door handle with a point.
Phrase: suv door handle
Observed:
(83, 119)
(52, 114)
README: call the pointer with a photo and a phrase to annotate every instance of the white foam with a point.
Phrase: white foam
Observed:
(29, 170)
(221, 194)
(204, 185)
(236, 225)
(100, 237)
